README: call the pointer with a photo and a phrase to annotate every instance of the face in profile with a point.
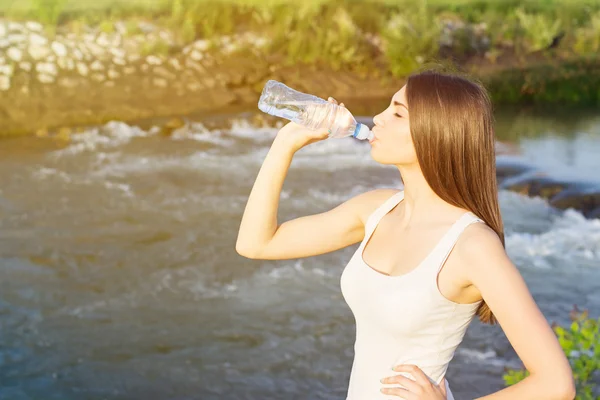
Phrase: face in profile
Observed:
(393, 142)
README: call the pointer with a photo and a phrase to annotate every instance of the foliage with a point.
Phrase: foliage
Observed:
(581, 343)
(411, 39)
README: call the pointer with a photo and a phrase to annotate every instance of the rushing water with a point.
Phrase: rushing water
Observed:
(119, 277)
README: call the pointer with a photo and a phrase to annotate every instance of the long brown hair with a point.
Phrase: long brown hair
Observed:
(451, 124)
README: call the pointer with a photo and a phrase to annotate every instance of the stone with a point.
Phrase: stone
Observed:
(194, 86)
(25, 66)
(175, 64)
(160, 82)
(119, 53)
(38, 52)
(96, 50)
(34, 26)
(153, 60)
(112, 74)
(15, 54)
(16, 39)
(3, 30)
(97, 66)
(98, 77)
(68, 82)
(195, 66)
(102, 40)
(163, 72)
(202, 44)
(77, 54)
(128, 70)
(4, 43)
(45, 78)
(15, 27)
(133, 57)
(82, 69)
(59, 49)
(46, 68)
(39, 40)
(196, 55)
(4, 83)
(6, 70)
(119, 61)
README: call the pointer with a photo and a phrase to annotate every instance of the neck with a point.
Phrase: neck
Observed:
(420, 200)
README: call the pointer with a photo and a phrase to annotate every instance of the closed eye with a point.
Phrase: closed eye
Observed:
(398, 115)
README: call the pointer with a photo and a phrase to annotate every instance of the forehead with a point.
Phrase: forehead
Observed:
(400, 95)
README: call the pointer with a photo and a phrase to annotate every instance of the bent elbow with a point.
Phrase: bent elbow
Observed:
(245, 252)
(569, 391)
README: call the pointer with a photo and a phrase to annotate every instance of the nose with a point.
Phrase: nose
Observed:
(377, 119)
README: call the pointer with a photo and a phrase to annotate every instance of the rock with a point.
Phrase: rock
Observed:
(14, 39)
(119, 53)
(202, 44)
(507, 166)
(4, 82)
(44, 78)
(535, 183)
(153, 60)
(175, 64)
(68, 82)
(160, 82)
(585, 198)
(163, 72)
(97, 66)
(37, 40)
(112, 74)
(26, 66)
(128, 70)
(98, 77)
(6, 70)
(59, 49)
(172, 125)
(3, 30)
(34, 26)
(15, 27)
(15, 54)
(82, 69)
(102, 40)
(196, 55)
(77, 54)
(146, 27)
(38, 52)
(4, 43)
(46, 68)
(119, 61)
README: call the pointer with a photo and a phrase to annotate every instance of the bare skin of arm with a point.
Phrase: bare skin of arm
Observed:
(262, 237)
(488, 267)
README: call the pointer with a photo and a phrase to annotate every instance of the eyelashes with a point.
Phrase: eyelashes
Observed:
(398, 115)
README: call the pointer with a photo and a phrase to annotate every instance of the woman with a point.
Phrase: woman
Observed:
(431, 255)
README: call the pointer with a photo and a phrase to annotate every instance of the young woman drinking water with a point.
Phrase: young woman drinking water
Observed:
(431, 255)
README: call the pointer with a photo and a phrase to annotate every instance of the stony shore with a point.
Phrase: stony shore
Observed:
(90, 78)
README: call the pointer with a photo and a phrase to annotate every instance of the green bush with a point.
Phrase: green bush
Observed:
(538, 29)
(581, 344)
(587, 38)
(411, 39)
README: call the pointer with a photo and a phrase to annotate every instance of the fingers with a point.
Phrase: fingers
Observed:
(415, 371)
(401, 393)
(334, 101)
(408, 383)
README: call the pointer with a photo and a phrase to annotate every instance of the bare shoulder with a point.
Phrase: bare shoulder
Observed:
(480, 250)
(366, 203)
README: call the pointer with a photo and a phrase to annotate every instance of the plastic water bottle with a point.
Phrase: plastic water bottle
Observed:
(310, 111)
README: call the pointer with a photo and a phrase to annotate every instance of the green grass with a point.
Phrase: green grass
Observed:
(334, 33)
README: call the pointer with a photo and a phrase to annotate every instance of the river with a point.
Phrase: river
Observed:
(120, 280)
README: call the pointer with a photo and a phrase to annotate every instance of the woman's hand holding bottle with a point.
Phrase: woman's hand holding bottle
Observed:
(294, 136)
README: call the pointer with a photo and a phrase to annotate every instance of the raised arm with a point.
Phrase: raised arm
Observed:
(261, 237)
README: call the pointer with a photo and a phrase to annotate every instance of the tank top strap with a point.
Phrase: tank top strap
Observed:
(381, 211)
(448, 241)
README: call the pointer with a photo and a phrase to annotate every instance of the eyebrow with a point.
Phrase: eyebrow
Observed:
(398, 104)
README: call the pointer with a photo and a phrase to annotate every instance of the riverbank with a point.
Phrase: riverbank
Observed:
(65, 66)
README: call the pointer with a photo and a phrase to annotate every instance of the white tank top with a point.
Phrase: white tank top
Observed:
(402, 319)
